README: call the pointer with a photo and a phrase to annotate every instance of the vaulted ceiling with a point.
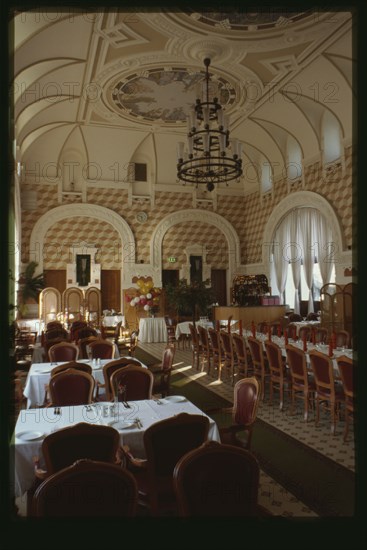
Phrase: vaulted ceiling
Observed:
(116, 86)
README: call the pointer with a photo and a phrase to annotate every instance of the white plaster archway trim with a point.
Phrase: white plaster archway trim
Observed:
(300, 199)
(87, 210)
(195, 215)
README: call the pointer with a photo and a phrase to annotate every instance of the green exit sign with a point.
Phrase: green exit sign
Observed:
(172, 259)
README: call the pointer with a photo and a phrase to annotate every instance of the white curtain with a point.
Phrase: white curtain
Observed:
(308, 238)
(281, 240)
(296, 256)
(300, 238)
(324, 249)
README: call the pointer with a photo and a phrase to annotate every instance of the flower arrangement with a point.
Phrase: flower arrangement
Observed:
(147, 295)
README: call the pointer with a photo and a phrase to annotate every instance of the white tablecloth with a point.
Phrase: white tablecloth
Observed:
(39, 376)
(183, 328)
(33, 325)
(45, 421)
(152, 329)
(112, 320)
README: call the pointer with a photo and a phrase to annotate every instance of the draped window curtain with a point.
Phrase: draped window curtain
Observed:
(302, 238)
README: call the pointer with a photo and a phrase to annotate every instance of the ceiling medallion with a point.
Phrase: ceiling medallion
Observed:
(165, 95)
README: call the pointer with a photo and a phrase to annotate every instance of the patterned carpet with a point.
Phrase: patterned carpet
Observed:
(273, 496)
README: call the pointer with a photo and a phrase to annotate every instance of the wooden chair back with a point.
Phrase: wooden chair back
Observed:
(71, 387)
(132, 383)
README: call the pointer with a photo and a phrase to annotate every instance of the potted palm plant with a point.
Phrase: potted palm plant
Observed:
(191, 298)
(30, 286)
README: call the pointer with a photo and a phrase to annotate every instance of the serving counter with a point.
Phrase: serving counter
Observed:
(257, 314)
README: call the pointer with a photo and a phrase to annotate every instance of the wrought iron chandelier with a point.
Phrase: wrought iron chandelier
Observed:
(207, 161)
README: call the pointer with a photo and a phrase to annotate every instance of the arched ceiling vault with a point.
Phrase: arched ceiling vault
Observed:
(125, 77)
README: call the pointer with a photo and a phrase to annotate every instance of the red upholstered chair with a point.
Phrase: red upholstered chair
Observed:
(63, 447)
(346, 371)
(87, 489)
(162, 371)
(71, 387)
(197, 349)
(321, 335)
(278, 377)
(165, 443)
(72, 365)
(328, 394)
(84, 332)
(108, 369)
(305, 332)
(102, 349)
(243, 358)
(63, 351)
(56, 332)
(132, 383)
(216, 350)
(83, 343)
(246, 402)
(258, 361)
(217, 480)
(206, 347)
(342, 339)
(303, 386)
(75, 327)
(54, 324)
(228, 352)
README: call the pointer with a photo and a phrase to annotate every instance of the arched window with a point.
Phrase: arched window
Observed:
(331, 138)
(301, 256)
(266, 177)
(294, 159)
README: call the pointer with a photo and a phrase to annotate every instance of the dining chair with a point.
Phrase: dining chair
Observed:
(83, 344)
(321, 335)
(102, 349)
(346, 371)
(196, 346)
(302, 384)
(216, 349)
(162, 371)
(84, 332)
(227, 353)
(329, 394)
(217, 480)
(305, 332)
(87, 489)
(246, 398)
(243, 357)
(108, 369)
(71, 387)
(206, 347)
(63, 447)
(184, 432)
(71, 365)
(342, 339)
(258, 362)
(132, 383)
(278, 377)
(63, 351)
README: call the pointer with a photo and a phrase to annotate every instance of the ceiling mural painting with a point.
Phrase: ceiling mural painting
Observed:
(166, 95)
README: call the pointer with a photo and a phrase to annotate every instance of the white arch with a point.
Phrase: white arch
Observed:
(196, 215)
(299, 199)
(70, 211)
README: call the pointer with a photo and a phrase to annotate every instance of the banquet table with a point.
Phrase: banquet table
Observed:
(300, 324)
(112, 320)
(39, 376)
(34, 424)
(152, 329)
(322, 348)
(183, 328)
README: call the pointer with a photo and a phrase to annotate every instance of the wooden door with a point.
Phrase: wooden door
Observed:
(111, 289)
(56, 278)
(219, 285)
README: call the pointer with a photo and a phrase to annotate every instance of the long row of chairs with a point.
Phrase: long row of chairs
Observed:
(315, 384)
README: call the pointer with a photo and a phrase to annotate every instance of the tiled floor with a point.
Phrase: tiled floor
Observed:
(273, 496)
